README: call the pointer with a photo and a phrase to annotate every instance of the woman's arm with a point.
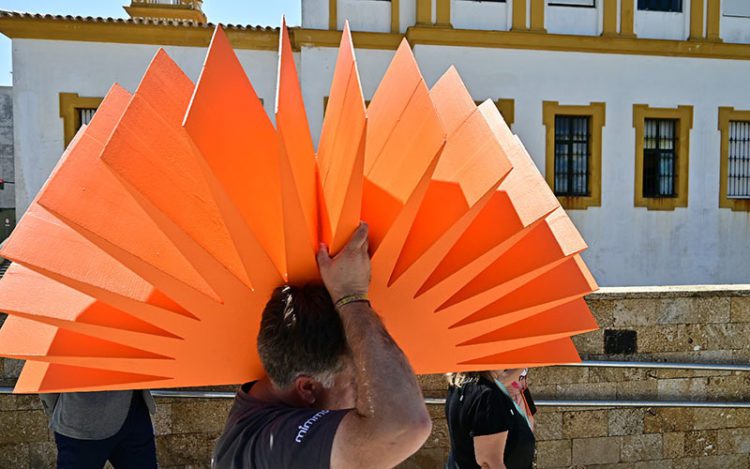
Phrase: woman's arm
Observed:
(489, 450)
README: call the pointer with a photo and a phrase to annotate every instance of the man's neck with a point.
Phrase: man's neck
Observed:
(264, 391)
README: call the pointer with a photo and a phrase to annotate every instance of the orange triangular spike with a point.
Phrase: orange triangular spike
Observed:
(341, 150)
(546, 244)
(298, 170)
(71, 259)
(228, 124)
(569, 319)
(150, 150)
(26, 339)
(401, 121)
(33, 295)
(452, 100)
(556, 352)
(47, 377)
(568, 279)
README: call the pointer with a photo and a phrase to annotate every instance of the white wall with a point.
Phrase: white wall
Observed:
(365, 15)
(735, 29)
(481, 15)
(628, 245)
(315, 14)
(43, 69)
(585, 21)
(663, 25)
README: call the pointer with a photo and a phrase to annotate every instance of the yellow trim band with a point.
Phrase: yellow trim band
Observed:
(696, 20)
(519, 15)
(713, 21)
(395, 16)
(424, 12)
(333, 15)
(627, 18)
(609, 23)
(150, 10)
(537, 16)
(267, 38)
(443, 14)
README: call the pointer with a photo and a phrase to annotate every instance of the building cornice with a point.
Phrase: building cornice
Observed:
(188, 33)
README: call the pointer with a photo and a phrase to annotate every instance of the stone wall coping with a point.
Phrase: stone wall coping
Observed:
(670, 291)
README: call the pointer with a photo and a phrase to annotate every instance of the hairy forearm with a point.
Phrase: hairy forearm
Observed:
(387, 390)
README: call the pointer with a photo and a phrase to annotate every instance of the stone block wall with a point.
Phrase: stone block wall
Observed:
(676, 324)
(667, 324)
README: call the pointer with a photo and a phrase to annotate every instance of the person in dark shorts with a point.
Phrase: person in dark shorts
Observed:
(92, 428)
(339, 392)
(488, 430)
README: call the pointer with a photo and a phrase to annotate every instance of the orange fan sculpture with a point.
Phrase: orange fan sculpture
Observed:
(148, 256)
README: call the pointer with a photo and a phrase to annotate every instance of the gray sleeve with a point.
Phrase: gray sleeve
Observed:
(48, 402)
(300, 440)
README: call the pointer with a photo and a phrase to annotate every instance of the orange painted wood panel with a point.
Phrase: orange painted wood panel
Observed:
(149, 254)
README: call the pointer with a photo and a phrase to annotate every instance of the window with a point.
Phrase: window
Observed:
(75, 112)
(573, 3)
(660, 5)
(659, 155)
(574, 153)
(734, 185)
(572, 140)
(662, 156)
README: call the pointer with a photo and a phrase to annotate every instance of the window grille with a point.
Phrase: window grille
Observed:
(85, 115)
(659, 157)
(572, 154)
(738, 183)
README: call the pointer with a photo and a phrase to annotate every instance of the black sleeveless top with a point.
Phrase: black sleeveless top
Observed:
(480, 408)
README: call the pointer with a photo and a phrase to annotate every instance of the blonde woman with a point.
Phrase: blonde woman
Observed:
(488, 429)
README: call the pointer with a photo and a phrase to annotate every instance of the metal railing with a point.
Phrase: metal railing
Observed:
(177, 394)
(661, 365)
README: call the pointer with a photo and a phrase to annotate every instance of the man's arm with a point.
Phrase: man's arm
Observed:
(390, 421)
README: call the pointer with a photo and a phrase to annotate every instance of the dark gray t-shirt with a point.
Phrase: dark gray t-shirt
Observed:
(262, 436)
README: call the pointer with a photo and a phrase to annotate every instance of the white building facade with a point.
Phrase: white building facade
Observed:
(636, 111)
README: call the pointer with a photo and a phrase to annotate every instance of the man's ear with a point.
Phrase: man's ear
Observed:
(307, 390)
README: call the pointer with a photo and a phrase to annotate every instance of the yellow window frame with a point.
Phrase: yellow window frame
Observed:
(684, 117)
(596, 112)
(727, 115)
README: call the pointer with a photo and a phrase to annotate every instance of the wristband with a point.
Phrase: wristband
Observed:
(351, 299)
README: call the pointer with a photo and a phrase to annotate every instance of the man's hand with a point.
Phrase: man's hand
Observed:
(347, 273)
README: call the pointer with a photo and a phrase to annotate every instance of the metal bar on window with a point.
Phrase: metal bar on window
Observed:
(572, 155)
(738, 164)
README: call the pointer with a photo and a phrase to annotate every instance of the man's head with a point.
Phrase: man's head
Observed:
(303, 347)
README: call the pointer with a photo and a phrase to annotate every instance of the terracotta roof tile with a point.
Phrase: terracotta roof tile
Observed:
(98, 19)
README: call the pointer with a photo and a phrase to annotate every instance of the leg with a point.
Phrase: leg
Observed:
(73, 453)
(136, 448)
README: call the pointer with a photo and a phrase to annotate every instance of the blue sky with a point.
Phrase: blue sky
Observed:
(254, 12)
